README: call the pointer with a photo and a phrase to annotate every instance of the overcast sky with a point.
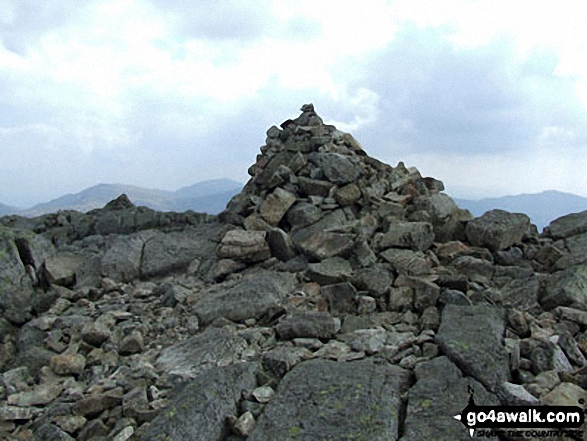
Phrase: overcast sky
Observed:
(489, 96)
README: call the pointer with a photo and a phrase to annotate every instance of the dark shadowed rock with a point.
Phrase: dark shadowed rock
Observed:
(191, 415)
(329, 271)
(497, 229)
(120, 203)
(338, 169)
(315, 399)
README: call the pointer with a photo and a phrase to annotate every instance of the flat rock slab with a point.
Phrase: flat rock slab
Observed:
(169, 252)
(201, 408)
(497, 229)
(251, 298)
(327, 400)
(214, 347)
(472, 338)
(435, 399)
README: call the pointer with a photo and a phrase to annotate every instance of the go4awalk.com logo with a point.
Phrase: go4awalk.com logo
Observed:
(522, 421)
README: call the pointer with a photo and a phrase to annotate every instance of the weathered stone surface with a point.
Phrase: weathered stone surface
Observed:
(476, 269)
(497, 229)
(322, 245)
(190, 415)
(67, 364)
(347, 195)
(407, 262)
(174, 251)
(472, 338)
(276, 205)
(251, 298)
(338, 169)
(435, 399)
(40, 395)
(330, 271)
(281, 360)
(309, 324)
(417, 236)
(303, 214)
(60, 269)
(122, 260)
(280, 244)
(214, 347)
(570, 289)
(568, 225)
(247, 246)
(341, 297)
(313, 400)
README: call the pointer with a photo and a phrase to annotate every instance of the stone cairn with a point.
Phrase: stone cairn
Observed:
(336, 297)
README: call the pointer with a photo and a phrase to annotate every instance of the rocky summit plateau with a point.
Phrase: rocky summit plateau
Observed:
(336, 298)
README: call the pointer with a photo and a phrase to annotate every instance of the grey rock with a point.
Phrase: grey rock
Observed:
(571, 349)
(50, 432)
(60, 269)
(303, 214)
(280, 244)
(282, 359)
(276, 205)
(330, 271)
(400, 298)
(435, 399)
(314, 187)
(122, 260)
(569, 289)
(339, 169)
(417, 236)
(369, 341)
(497, 229)
(41, 395)
(407, 262)
(191, 415)
(341, 298)
(363, 254)
(377, 280)
(174, 251)
(546, 356)
(440, 207)
(474, 268)
(246, 246)
(568, 225)
(347, 195)
(306, 324)
(472, 337)
(251, 298)
(516, 395)
(313, 400)
(572, 314)
(324, 244)
(213, 347)
(577, 246)
(454, 297)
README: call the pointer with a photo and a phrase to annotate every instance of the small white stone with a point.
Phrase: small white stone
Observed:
(263, 394)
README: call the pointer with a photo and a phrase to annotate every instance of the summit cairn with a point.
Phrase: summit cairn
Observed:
(315, 193)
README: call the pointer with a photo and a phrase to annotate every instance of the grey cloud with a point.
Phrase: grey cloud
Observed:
(32, 19)
(219, 19)
(434, 97)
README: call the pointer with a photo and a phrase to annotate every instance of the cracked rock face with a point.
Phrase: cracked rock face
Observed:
(336, 297)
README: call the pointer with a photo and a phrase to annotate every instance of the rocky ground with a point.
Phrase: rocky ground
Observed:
(336, 298)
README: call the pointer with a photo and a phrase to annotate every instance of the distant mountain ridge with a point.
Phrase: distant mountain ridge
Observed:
(542, 208)
(206, 197)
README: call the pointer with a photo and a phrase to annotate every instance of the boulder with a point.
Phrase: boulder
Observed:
(472, 338)
(249, 299)
(191, 416)
(568, 225)
(313, 402)
(276, 205)
(497, 229)
(246, 246)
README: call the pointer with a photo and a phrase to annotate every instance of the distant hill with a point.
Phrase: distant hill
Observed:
(542, 208)
(204, 197)
(7, 209)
